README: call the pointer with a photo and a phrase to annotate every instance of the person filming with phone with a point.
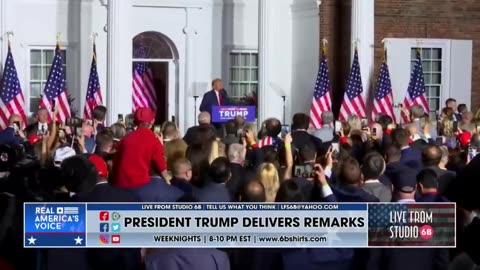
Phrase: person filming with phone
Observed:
(13, 134)
(137, 151)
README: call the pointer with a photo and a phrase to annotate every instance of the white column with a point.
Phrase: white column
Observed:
(190, 36)
(119, 59)
(363, 35)
(264, 57)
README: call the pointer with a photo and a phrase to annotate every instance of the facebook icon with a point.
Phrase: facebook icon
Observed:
(103, 227)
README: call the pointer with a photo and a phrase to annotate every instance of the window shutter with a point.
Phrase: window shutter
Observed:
(398, 60)
(461, 71)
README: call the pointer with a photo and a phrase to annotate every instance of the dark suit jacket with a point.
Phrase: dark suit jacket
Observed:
(187, 259)
(192, 135)
(240, 176)
(33, 128)
(412, 157)
(7, 136)
(157, 191)
(301, 138)
(213, 192)
(395, 171)
(445, 178)
(183, 185)
(353, 194)
(230, 139)
(431, 198)
(210, 99)
(105, 192)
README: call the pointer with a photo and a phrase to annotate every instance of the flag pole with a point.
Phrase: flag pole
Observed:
(9, 36)
(384, 42)
(58, 36)
(324, 46)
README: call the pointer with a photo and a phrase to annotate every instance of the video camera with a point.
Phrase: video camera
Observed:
(74, 122)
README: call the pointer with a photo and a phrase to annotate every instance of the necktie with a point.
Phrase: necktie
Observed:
(220, 101)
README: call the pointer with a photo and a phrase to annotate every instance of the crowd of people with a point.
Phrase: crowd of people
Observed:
(135, 161)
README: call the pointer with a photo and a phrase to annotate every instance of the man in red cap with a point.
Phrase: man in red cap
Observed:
(137, 151)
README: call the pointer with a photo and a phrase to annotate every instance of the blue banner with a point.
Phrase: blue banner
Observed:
(55, 224)
(221, 114)
(229, 225)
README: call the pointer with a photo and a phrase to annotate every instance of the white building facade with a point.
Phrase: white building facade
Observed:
(267, 46)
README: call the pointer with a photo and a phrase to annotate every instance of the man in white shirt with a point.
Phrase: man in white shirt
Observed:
(41, 125)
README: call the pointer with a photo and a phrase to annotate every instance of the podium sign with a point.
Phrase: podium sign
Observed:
(221, 114)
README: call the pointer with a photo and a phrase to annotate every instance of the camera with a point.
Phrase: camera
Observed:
(74, 122)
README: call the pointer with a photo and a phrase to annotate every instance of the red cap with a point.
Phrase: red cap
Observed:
(34, 138)
(99, 164)
(144, 115)
(464, 138)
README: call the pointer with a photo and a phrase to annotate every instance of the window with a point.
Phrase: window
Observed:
(243, 74)
(432, 73)
(40, 63)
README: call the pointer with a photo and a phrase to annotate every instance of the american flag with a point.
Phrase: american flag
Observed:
(12, 100)
(383, 100)
(321, 95)
(442, 223)
(56, 89)
(353, 102)
(275, 142)
(144, 95)
(416, 89)
(94, 95)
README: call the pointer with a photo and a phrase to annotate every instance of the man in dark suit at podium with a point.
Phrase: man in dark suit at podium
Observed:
(215, 97)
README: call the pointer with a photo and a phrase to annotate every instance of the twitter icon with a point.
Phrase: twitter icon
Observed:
(115, 227)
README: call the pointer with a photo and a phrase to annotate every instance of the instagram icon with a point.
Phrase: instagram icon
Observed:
(103, 238)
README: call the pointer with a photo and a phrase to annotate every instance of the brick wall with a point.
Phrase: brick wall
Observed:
(448, 19)
(335, 25)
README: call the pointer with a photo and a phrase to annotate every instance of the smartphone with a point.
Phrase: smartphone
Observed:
(338, 126)
(472, 152)
(53, 105)
(364, 123)
(157, 129)
(374, 132)
(455, 126)
(303, 171)
(16, 126)
(285, 130)
(79, 131)
(335, 149)
(439, 141)
(61, 134)
(120, 117)
(240, 133)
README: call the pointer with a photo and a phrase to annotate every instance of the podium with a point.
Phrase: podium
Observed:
(222, 114)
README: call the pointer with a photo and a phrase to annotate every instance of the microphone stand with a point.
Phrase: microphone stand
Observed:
(284, 114)
(195, 109)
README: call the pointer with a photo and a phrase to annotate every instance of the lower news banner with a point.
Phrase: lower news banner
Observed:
(54, 225)
(221, 225)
